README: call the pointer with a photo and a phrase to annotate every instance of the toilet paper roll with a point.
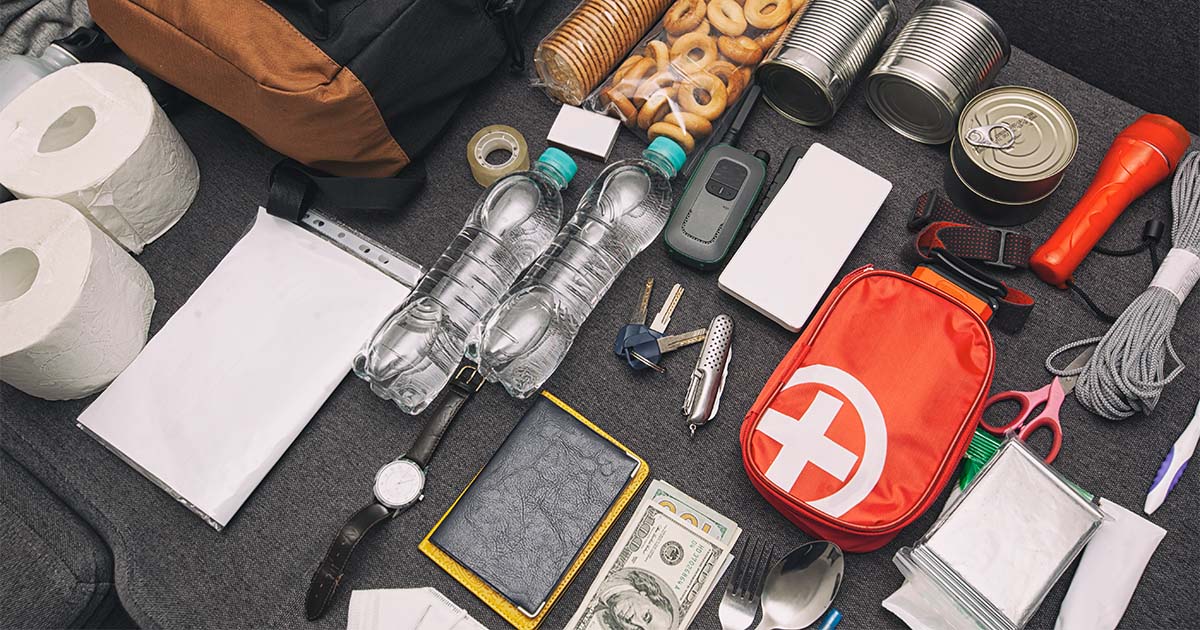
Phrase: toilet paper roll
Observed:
(92, 136)
(74, 307)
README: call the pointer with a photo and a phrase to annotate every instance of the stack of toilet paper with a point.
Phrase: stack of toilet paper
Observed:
(74, 307)
(91, 136)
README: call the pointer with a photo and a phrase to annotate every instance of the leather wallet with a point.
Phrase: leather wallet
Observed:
(524, 526)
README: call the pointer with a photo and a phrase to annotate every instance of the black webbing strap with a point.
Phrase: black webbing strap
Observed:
(941, 225)
(1012, 307)
(294, 188)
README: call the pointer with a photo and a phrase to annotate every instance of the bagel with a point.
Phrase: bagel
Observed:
(704, 29)
(625, 66)
(730, 75)
(727, 17)
(767, 14)
(697, 127)
(684, 16)
(741, 50)
(798, 5)
(674, 132)
(660, 53)
(652, 85)
(655, 108)
(768, 39)
(710, 85)
(635, 76)
(684, 47)
(625, 108)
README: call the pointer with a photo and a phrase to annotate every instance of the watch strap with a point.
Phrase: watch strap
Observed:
(463, 385)
(329, 574)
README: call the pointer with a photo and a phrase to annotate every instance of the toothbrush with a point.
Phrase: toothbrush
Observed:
(1173, 466)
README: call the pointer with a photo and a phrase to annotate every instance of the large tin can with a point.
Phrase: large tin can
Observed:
(808, 73)
(946, 54)
(1010, 150)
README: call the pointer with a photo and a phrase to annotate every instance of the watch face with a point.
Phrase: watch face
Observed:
(399, 483)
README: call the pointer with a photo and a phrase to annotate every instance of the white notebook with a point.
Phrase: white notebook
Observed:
(219, 394)
(802, 239)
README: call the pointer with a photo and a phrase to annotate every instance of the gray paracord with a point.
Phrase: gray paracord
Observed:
(1125, 375)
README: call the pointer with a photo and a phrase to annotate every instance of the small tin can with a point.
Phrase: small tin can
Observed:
(1010, 150)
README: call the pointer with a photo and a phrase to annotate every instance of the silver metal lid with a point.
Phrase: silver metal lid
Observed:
(1018, 134)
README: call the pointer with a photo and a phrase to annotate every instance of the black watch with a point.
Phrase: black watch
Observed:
(398, 486)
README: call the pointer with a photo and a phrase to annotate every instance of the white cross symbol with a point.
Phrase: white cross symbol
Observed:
(804, 441)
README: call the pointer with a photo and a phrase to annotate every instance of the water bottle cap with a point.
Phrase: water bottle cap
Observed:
(667, 149)
(561, 162)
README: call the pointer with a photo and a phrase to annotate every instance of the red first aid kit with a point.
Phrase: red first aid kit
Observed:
(867, 417)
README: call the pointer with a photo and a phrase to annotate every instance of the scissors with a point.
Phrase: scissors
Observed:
(1050, 397)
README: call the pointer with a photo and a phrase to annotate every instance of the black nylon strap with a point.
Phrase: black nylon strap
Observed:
(329, 574)
(294, 188)
(941, 225)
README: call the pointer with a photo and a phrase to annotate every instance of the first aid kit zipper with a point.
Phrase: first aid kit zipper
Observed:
(952, 458)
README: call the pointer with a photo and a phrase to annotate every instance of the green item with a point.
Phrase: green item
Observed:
(980, 451)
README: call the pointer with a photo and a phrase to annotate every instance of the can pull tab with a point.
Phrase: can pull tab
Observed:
(997, 136)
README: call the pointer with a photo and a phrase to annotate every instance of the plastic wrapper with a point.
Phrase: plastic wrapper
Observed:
(580, 52)
(685, 76)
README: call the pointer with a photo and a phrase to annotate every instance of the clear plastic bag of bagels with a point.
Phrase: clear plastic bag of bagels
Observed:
(687, 75)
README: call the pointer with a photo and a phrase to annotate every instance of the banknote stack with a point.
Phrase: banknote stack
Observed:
(663, 568)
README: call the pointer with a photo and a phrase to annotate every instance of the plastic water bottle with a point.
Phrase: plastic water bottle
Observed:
(527, 336)
(415, 352)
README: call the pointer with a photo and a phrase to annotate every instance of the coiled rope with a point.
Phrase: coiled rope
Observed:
(1127, 373)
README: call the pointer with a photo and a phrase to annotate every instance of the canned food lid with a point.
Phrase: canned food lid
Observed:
(794, 91)
(1018, 133)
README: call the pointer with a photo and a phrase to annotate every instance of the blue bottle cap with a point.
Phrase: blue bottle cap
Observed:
(668, 150)
(560, 162)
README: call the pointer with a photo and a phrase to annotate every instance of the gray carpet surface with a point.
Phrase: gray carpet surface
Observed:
(173, 571)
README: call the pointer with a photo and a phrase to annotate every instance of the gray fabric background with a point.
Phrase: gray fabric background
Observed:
(30, 25)
(173, 571)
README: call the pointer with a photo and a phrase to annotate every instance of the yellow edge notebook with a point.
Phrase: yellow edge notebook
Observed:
(493, 598)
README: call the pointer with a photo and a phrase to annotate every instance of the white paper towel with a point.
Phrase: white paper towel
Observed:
(92, 136)
(74, 307)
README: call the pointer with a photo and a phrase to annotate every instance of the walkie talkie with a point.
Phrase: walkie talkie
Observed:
(718, 198)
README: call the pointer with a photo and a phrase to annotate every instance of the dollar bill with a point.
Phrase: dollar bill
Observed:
(657, 577)
(692, 511)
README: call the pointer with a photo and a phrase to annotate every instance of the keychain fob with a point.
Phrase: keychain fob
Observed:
(716, 203)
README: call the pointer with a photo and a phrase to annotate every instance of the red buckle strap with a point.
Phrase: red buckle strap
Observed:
(941, 225)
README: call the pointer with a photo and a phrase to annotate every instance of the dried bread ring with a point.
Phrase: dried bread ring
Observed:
(625, 108)
(797, 5)
(684, 16)
(674, 132)
(767, 14)
(704, 29)
(655, 109)
(660, 53)
(741, 50)
(635, 76)
(727, 17)
(768, 39)
(657, 82)
(692, 42)
(696, 126)
(730, 76)
(710, 85)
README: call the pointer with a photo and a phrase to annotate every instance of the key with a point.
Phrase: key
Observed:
(647, 351)
(659, 325)
(637, 320)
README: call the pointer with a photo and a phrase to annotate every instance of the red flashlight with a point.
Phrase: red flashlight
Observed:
(1143, 155)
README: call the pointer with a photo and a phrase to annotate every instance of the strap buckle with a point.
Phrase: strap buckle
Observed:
(999, 260)
(468, 377)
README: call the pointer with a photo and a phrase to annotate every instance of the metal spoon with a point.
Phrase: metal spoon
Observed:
(801, 586)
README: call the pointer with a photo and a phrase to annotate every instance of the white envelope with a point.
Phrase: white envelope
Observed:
(219, 394)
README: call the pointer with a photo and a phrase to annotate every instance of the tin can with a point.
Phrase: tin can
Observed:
(1011, 148)
(808, 73)
(946, 54)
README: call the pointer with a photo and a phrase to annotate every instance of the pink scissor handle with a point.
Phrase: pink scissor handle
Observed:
(1027, 401)
(1044, 422)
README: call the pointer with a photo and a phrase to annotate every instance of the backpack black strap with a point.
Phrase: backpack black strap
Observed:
(294, 188)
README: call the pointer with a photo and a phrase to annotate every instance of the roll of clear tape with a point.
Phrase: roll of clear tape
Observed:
(494, 138)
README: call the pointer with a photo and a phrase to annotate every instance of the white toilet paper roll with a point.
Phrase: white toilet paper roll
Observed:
(92, 136)
(74, 307)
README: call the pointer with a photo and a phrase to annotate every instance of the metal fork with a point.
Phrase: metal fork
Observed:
(739, 606)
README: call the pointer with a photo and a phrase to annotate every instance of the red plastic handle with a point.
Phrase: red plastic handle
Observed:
(1143, 155)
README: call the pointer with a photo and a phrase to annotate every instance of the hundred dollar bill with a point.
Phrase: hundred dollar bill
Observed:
(692, 511)
(656, 578)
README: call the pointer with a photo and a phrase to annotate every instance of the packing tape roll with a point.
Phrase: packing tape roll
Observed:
(495, 138)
